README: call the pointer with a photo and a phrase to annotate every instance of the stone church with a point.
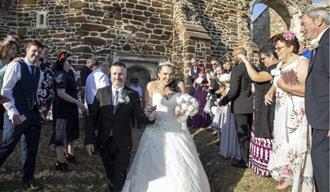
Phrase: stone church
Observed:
(142, 32)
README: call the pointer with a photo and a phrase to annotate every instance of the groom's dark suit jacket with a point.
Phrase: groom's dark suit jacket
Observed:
(317, 86)
(240, 91)
(106, 119)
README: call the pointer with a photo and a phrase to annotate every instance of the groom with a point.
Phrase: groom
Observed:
(240, 96)
(112, 110)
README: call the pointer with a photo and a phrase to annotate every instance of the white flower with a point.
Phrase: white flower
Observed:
(199, 80)
(188, 107)
(275, 72)
(125, 99)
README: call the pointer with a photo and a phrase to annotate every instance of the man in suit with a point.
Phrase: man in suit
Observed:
(20, 85)
(240, 96)
(315, 27)
(192, 74)
(112, 110)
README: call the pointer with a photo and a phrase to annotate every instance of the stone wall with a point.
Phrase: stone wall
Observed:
(8, 18)
(97, 27)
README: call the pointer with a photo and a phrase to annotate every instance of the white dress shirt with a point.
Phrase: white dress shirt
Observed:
(96, 80)
(12, 75)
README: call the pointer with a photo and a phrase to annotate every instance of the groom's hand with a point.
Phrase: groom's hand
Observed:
(90, 149)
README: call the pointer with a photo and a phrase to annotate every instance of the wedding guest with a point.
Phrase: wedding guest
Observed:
(8, 51)
(262, 127)
(240, 96)
(229, 146)
(46, 89)
(134, 84)
(66, 105)
(96, 80)
(84, 73)
(201, 119)
(20, 85)
(192, 74)
(315, 27)
(290, 160)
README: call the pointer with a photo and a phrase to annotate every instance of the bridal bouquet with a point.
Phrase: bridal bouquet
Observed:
(188, 106)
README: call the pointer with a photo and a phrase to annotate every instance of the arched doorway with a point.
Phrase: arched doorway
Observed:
(140, 73)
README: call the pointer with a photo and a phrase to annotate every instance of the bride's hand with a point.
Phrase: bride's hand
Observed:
(177, 111)
(152, 115)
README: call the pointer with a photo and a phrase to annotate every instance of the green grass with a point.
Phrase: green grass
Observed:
(89, 175)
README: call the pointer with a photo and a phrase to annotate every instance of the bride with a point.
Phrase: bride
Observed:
(166, 158)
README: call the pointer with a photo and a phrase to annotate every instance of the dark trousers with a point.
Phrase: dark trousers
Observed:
(320, 159)
(31, 128)
(243, 129)
(115, 162)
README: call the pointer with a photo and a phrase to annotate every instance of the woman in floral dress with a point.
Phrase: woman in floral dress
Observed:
(290, 159)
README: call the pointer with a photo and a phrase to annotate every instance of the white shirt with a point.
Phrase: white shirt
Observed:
(96, 80)
(114, 89)
(315, 42)
(12, 75)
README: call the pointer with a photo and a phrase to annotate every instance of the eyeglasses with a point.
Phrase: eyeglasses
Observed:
(71, 61)
(263, 58)
(213, 63)
(278, 48)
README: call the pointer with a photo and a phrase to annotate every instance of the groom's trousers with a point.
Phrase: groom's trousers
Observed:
(115, 162)
(243, 129)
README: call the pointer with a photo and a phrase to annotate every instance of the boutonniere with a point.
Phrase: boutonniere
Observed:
(124, 99)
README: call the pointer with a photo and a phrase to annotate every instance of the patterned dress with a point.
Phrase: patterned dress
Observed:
(46, 89)
(290, 158)
(262, 128)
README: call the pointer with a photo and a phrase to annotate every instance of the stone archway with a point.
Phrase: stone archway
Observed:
(280, 16)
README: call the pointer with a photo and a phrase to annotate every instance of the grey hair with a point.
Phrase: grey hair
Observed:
(319, 12)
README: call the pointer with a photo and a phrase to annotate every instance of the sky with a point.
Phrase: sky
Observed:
(259, 8)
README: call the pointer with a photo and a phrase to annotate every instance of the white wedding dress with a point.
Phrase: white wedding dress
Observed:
(166, 159)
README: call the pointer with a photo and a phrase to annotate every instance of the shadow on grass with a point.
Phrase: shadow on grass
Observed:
(89, 174)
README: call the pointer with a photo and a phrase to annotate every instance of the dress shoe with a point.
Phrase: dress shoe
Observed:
(71, 159)
(61, 166)
(32, 186)
(240, 164)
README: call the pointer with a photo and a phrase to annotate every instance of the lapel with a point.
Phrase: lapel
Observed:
(119, 105)
(312, 61)
(324, 39)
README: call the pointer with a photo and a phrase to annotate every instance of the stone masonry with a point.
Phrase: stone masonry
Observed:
(173, 29)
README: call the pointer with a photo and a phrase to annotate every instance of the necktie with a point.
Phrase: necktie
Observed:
(116, 97)
(115, 101)
(33, 85)
(32, 70)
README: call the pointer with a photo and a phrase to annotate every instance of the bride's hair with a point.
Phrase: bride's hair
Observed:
(174, 84)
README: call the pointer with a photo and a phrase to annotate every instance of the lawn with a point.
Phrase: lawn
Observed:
(89, 175)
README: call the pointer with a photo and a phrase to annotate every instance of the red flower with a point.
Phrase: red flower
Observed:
(61, 57)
